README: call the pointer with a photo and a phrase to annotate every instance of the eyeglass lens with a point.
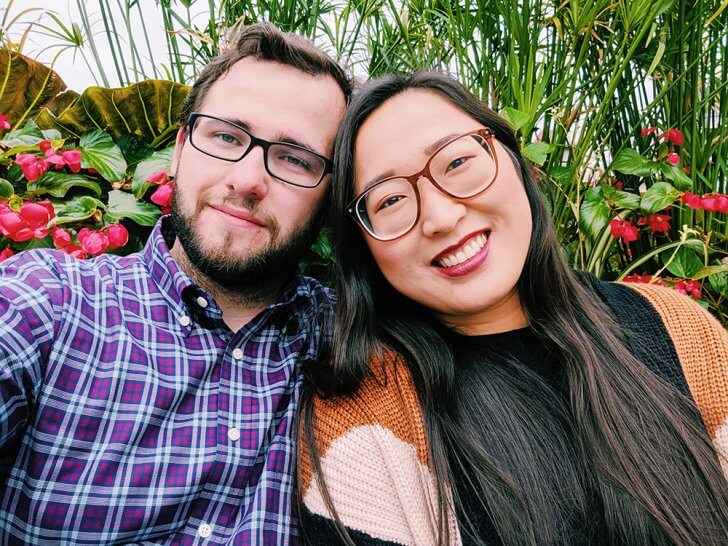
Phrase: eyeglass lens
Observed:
(463, 168)
(226, 141)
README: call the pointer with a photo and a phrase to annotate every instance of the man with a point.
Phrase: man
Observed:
(151, 398)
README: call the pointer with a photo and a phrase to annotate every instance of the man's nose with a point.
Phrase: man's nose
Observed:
(248, 177)
(439, 213)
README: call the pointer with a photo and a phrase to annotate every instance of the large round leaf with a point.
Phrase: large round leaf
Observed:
(99, 152)
(27, 86)
(123, 205)
(149, 109)
(594, 212)
(57, 184)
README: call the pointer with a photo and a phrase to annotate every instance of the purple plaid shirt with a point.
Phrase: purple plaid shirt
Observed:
(131, 413)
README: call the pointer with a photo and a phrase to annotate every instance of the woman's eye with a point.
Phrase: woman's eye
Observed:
(393, 200)
(456, 163)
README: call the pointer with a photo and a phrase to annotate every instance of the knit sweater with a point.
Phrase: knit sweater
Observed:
(373, 446)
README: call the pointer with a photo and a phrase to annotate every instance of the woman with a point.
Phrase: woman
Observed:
(481, 392)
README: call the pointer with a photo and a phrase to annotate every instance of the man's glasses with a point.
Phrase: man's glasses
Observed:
(227, 141)
(464, 167)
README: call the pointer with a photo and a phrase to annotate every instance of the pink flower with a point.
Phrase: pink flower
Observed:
(709, 202)
(689, 288)
(6, 253)
(75, 251)
(33, 168)
(44, 146)
(636, 278)
(659, 223)
(623, 229)
(691, 200)
(15, 227)
(648, 131)
(722, 203)
(4, 125)
(118, 236)
(673, 158)
(163, 195)
(61, 238)
(93, 242)
(54, 159)
(159, 177)
(673, 136)
(73, 160)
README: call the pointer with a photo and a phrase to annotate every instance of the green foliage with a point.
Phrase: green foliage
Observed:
(578, 81)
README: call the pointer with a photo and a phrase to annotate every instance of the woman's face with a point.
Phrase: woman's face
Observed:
(463, 258)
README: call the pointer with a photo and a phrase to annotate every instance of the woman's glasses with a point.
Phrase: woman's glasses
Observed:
(462, 168)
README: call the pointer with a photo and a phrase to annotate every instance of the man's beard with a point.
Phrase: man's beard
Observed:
(255, 276)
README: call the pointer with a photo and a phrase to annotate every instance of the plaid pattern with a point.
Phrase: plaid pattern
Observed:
(131, 413)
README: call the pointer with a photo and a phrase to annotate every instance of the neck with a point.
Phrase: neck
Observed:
(504, 316)
(238, 306)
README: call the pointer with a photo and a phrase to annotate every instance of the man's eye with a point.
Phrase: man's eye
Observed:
(227, 138)
(295, 161)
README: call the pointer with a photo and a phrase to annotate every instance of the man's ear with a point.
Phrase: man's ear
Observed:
(179, 143)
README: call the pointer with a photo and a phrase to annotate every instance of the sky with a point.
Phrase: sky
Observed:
(72, 68)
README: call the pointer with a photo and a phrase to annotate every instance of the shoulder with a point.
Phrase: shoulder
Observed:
(373, 457)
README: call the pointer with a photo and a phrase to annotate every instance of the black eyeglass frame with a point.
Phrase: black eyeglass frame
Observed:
(353, 207)
(255, 141)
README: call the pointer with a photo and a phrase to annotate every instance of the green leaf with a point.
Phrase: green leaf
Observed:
(685, 264)
(76, 209)
(6, 189)
(123, 205)
(100, 152)
(159, 161)
(594, 212)
(45, 242)
(149, 109)
(628, 161)
(52, 134)
(537, 151)
(57, 184)
(134, 148)
(322, 245)
(620, 199)
(27, 136)
(658, 196)
(516, 118)
(719, 283)
(710, 270)
(677, 175)
(27, 86)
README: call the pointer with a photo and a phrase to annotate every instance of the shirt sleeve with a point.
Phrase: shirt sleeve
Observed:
(28, 311)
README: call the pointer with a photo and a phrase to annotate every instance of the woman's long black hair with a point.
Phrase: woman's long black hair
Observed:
(623, 456)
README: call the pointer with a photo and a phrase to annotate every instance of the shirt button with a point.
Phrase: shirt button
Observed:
(237, 353)
(202, 302)
(204, 530)
(233, 434)
(184, 320)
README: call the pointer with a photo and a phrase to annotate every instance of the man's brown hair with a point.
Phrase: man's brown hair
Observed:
(263, 41)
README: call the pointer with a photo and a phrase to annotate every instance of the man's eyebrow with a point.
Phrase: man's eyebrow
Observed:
(282, 137)
(428, 151)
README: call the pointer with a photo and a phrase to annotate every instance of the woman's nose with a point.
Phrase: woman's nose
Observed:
(439, 213)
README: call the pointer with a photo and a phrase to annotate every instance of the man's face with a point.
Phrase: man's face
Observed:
(236, 223)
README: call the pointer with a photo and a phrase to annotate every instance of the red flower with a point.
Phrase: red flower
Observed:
(6, 253)
(159, 177)
(75, 251)
(61, 237)
(12, 225)
(44, 146)
(689, 288)
(163, 196)
(674, 136)
(93, 242)
(4, 125)
(691, 200)
(645, 279)
(617, 184)
(33, 168)
(722, 203)
(648, 131)
(709, 202)
(72, 159)
(673, 158)
(659, 223)
(622, 229)
(118, 236)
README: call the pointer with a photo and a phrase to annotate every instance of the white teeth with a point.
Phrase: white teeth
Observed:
(465, 253)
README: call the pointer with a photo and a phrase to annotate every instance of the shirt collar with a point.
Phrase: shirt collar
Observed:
(163, 268)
